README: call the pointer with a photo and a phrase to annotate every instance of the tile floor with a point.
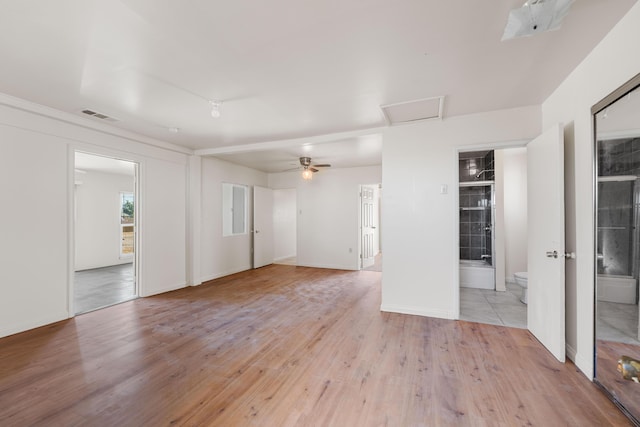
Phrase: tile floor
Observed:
(287, 261)
(496, 308)
(102, 287)
(617, 322)
(377, 265)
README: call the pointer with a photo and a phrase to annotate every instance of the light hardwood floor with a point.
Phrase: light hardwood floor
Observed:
(284, 346)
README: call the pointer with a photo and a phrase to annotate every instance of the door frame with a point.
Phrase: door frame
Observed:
(259, 191)
(456, 202)
(376, 214)
(138, 190)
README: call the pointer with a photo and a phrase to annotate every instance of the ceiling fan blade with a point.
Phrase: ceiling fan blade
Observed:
(292, 169)
(312, 169)
(326, 165)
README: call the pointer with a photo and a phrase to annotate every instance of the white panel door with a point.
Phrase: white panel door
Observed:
(545, 210)
(262, 226)
(367, 225)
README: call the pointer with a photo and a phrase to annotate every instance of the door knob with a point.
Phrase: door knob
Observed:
(553, 254)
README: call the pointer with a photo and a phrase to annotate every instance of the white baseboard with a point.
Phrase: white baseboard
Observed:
(571, 353)
(417, 311)
(284, 257)
(223, 274)
(584, 364)
(33, 323)
(329, 266)
(163, 290)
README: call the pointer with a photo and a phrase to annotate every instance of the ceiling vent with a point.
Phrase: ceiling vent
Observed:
(413, 111)
(98, 115)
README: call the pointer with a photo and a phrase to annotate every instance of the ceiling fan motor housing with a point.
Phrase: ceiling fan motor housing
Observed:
(305, 161)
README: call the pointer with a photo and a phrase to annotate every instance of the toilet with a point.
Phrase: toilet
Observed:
(521, 279)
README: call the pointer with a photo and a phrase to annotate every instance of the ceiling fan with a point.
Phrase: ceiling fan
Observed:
(307, 168)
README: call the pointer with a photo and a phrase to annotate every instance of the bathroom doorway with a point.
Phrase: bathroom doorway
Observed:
(492, 236)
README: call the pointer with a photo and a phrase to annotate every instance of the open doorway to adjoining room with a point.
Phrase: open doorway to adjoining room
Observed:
(106, 224)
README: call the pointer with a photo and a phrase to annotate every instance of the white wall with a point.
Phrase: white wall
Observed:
(608, 66)
(163, 225)
(97, 224)
(284, 223)
(221, 256)
(36, 167)
(34, 267)
(328, 214)
(420, 230)
(515, 210)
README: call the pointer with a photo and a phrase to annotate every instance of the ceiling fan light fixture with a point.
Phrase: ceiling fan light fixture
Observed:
(307, 175)
(215, 108)
(536, 16)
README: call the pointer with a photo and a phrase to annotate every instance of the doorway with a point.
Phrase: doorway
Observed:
(285, 227)
(105, 224)
(492, 235)
(370, 221)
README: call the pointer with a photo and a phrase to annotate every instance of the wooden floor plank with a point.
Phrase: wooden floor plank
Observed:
(285, 346)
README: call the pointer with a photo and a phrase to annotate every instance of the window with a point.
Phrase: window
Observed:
(234, 209)
(127, 209)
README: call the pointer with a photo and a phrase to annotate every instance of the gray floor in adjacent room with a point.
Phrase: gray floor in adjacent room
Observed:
(496, 308)
(617, 322)
(102, 287)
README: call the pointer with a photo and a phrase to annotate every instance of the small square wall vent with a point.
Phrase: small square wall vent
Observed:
(98, 115)
(413, 111)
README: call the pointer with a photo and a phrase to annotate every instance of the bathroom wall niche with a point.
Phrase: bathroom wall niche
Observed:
(617, 210)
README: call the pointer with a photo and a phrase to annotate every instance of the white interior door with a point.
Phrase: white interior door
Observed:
(262, 226)
(368, 225)
(545, 211)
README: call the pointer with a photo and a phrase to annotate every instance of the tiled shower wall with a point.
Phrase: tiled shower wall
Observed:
(470, 167)
(475, 223)
(475, 207)
(616, 213)
(619, 157)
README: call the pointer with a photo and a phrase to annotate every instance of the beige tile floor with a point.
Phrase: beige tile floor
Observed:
(494, 307)
(617, 322)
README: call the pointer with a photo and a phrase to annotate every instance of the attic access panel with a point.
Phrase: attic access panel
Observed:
(412, 111)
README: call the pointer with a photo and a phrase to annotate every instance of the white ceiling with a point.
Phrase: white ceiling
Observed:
(90, 163)
(284, 69)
